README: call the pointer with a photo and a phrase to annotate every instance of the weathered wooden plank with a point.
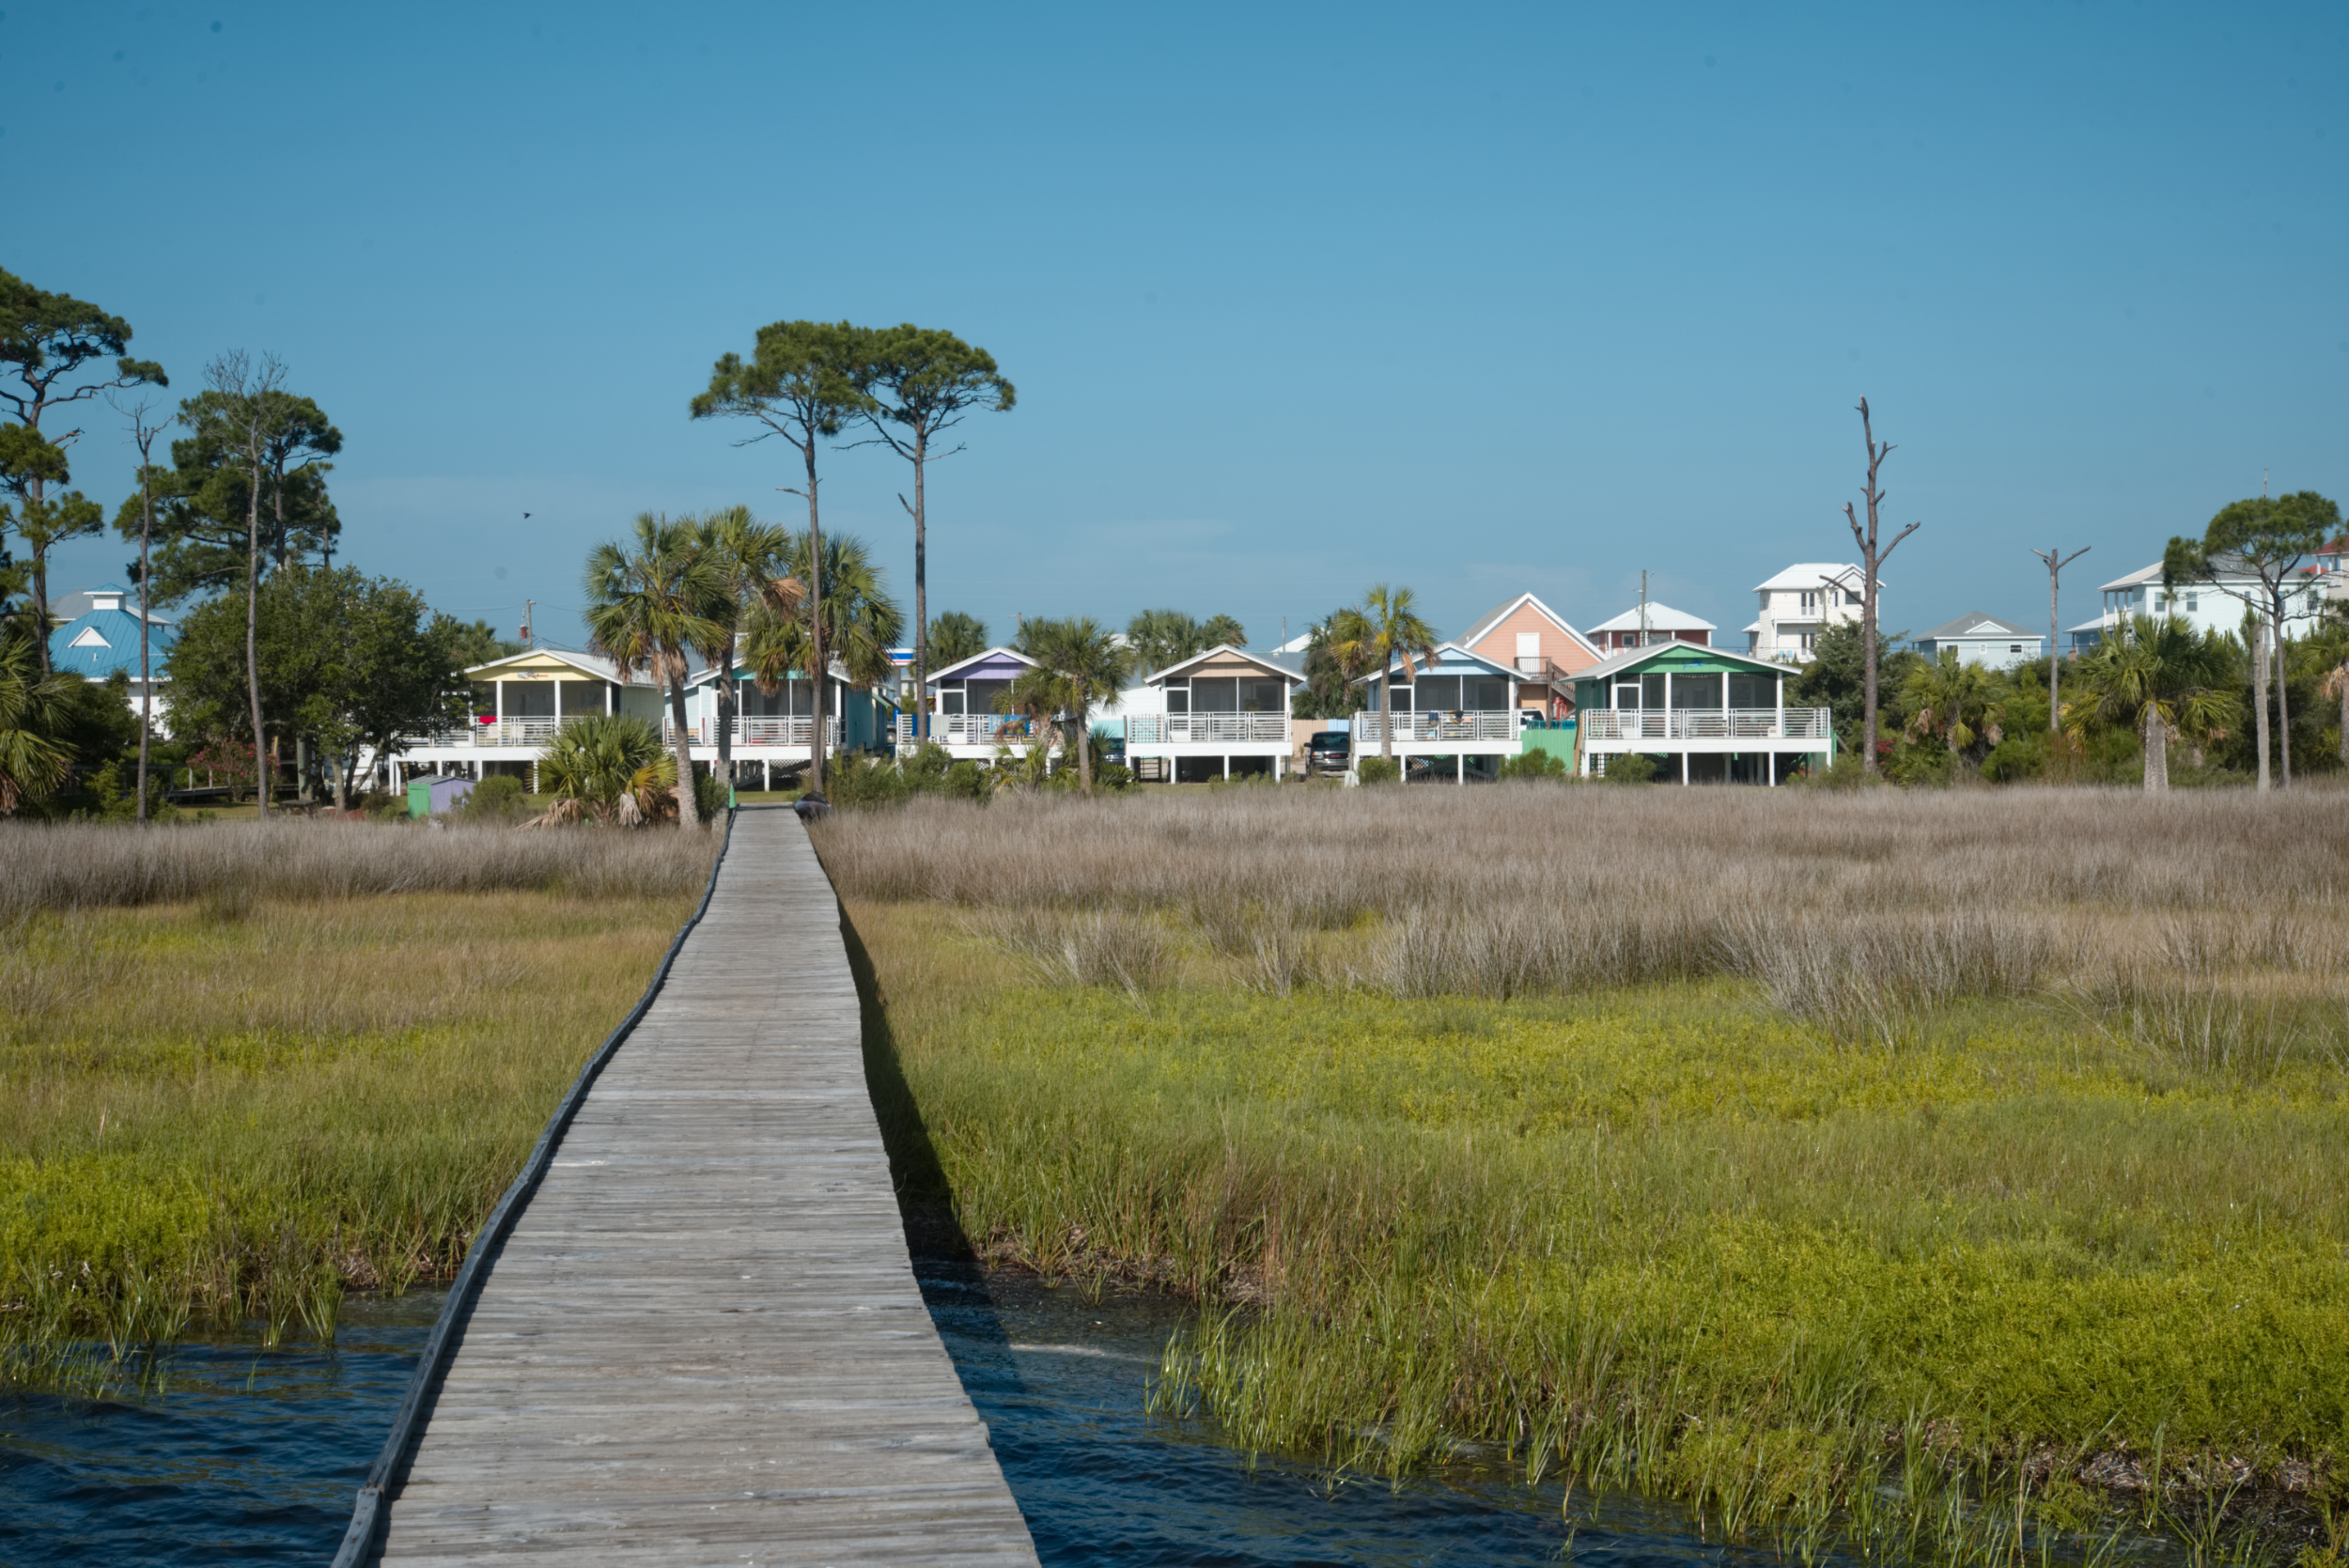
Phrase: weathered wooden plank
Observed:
(703, 1342)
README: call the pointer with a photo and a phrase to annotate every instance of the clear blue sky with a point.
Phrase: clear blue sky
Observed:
(1298, 299)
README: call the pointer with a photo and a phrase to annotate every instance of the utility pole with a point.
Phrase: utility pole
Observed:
(2056, 561)
(1643, 606)
(528, 605)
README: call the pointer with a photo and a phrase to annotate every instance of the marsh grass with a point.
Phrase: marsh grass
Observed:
(1947, 1176)
(233, 1107)
(48, 867)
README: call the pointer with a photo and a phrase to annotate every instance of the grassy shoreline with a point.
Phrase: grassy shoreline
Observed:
(235, 1104)
(2028, 1241)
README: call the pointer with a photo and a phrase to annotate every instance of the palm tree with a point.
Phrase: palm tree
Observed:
(1079, 664)
(608, 767)
(1386, 629)
(1163, 637)
(32, 709)
(1959, 701)
(2162, 679)
(859, 623)
(745, 559)
(645, 607)
(2327, 647)
(955, 637)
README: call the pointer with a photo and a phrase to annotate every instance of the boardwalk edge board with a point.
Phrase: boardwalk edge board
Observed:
(365, 1536)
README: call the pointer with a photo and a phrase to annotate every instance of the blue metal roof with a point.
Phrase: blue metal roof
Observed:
(99, 643)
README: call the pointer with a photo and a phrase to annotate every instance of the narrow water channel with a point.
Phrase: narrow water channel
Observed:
(246, 1455)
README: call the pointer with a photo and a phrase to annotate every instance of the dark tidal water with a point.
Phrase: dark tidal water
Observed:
(245, 1455)
(241, 1455)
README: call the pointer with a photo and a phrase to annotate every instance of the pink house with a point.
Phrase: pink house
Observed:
(1536, 640)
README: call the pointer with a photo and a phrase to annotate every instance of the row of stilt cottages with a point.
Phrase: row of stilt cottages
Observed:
(1522, 679)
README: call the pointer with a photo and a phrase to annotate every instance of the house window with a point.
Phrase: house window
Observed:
(2018, 648)
(1810, 639)
(2193, 602)
(1811, 602)
(1178, 698)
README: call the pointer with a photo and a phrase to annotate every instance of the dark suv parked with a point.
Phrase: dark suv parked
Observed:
(1328, 752)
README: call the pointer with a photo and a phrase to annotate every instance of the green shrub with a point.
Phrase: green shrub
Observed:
(709, 794)
(1379, 771)
(1113, 775)
(966, 780)
(1845, 774)
(866, 785)
(1632, 767)
(1921, 762)
(2017, 759)
(927, 769)
(499, 797)
(1536, 763)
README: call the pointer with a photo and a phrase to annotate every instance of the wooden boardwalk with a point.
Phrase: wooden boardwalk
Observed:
(703, 1342)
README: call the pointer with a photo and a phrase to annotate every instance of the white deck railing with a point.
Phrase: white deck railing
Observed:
(501, 732)
(1181, 729)
(1706, 724)
(1486, 724)
(971, 729)
(755, 731)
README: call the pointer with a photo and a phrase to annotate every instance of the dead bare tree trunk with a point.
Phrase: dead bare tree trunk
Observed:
(1872, 555)
(144, 435)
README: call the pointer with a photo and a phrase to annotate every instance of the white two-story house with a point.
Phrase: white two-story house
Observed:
(1799, 603)
(2217, 605)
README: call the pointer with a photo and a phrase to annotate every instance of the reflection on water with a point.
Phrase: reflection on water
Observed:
(251, 1456)
(242, 1455)
(1059, 1382)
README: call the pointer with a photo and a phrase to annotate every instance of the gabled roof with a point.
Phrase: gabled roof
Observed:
(1661, 617)
(1974, 623)
(81, 601)
(1225, 650)
(1450, 659)
(1683, 653)
(97, 642)
(982, 656)
(2225, 567)
(593, 665)
(1493, 617)
(1812, 574)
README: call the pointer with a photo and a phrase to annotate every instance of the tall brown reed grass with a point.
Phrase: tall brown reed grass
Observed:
(96, 865)
(1859, 913)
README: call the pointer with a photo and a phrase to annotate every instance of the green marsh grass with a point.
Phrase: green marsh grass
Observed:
(244, 1071)
(1946, 1175)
